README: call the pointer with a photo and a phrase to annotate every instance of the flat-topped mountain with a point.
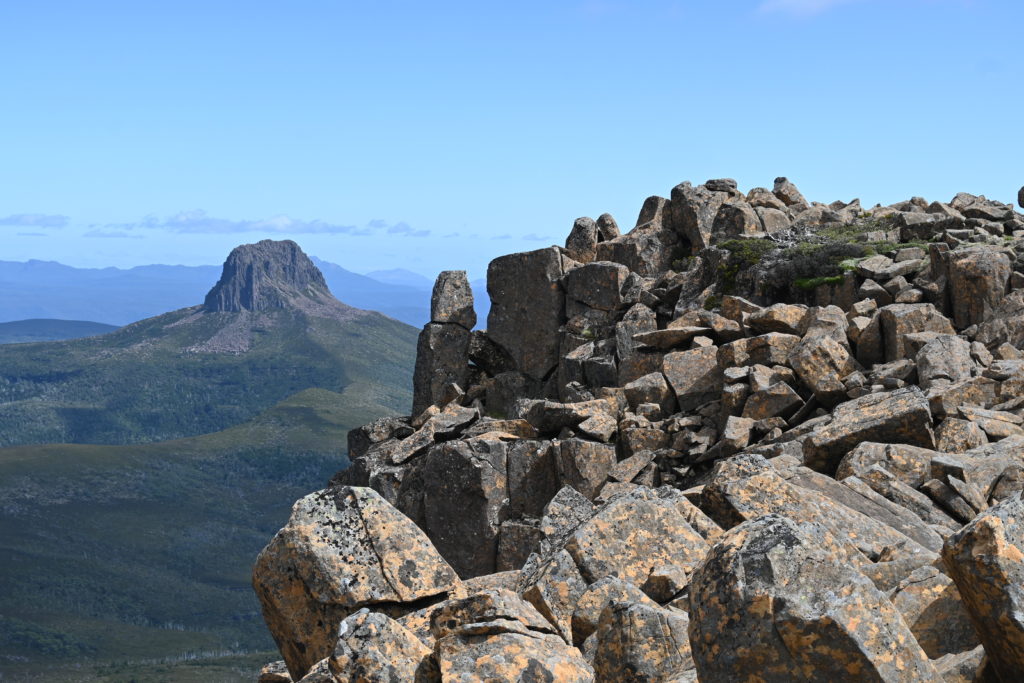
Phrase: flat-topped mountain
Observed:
(267, 275)
(268, 329)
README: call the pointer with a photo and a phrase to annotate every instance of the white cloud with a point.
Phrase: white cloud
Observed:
(35, 220)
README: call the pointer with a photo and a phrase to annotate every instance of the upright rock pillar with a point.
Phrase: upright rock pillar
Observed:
(442, 353)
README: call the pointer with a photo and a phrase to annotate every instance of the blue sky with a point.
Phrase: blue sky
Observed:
(440, 135)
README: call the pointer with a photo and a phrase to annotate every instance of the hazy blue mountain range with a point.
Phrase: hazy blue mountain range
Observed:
(114, 296)
(48, 329)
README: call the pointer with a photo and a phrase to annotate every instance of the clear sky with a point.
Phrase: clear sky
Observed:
(432, 135)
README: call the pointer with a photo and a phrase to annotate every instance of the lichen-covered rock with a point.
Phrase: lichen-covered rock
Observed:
(899, 320)
(496, 636)
(275, 672)
(977, 279)
(637, 641)
(932, 608)
(695, 376)
(452, 299)
(902, 416)
(986, 560)
(373, 648)
(946, 358)
(527, 308)
(777, 600)
(583, 465)
(342, 549)
(632, 535)
(458, 493)
(596, 597)
(442, 356)
(821, 363)
(581, 244)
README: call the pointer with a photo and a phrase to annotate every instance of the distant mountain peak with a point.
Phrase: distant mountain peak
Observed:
(267, 275)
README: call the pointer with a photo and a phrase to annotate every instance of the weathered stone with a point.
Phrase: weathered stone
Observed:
(581, 244)
(785, 318)
(910, 464)
(640, 642)
(274, 672)
(527, 308)
(695, 376)
(373, 648)
(773, 348)
(772, 220)
(944, 358)
(632, 534)
(637, 320)
(901, 416)
(746, 487)
(651, 388)
(986, 560)
(555, 592)
(1006, 324)
(532, 477)
(516, 542)
(787, 192)
(597, 285)
(607, 228)
(452, 299)
(496, 636)
(978, 278)
(899, 320)
(583, 465)
(932, 608)
(776, 400)
(821, 363)
(442, 357)
(778, 599)
(596, 598)
(665, 582)
(342, 548)
(458, 493)
(958, 436)
(738, 219)
(647, 250)
(693, 213)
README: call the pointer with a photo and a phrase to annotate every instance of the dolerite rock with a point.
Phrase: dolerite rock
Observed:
(777, 600)
(442, 353)
(1020, 197)
(496, 636)
(264, 276)
(642, 642)
(787, 192)
(458, 493)
(986, 560)
(581, 245)
(373, 648)
(693, 213)
(902, 416)
(527, 308)
(452, 299)
(632, 535)
(275, 672)
(342, 549)
(978, 280)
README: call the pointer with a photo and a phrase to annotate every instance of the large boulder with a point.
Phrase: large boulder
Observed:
(777, 600)
(373, 648)
(637, 641)
(901, 416)
(986, 560)
(497, 636)
(695, 376)
(442, 358)
(343, 548)
(458, 493)
(899, 320)
(694, 210)
(977, 279)
(527, 308)
(452, 299)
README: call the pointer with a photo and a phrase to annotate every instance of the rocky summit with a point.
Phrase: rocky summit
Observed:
(754, 438)
(266, 275)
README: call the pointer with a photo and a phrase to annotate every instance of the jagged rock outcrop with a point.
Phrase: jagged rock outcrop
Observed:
(739, 441)
(266, 275)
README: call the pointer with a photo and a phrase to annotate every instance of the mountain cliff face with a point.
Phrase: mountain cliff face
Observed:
(265, 276)
(754, 438)
(269, 328)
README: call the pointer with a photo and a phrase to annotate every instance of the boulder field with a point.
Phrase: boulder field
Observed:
(754, 438)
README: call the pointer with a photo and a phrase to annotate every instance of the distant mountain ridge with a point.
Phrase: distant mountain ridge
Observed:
(46, 289)
(269, 328)
(49, 329)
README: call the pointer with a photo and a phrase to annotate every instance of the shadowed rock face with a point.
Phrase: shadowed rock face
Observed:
(266, 275)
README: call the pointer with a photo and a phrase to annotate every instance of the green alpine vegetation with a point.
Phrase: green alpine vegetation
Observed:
(48, 329)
